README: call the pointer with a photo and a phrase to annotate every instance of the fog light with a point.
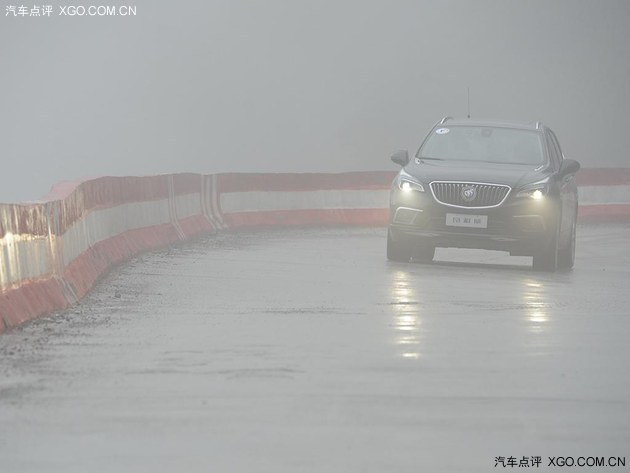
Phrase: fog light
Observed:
(407, 216)
(405, 186)
(537, 195)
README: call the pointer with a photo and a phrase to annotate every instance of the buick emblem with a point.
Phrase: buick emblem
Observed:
(469, 193)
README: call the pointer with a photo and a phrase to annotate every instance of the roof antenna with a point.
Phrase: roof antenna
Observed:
(468, 102)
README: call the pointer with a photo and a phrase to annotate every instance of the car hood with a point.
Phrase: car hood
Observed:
(513, 175)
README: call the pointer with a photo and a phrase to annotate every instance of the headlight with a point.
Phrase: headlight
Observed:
(406, 183)
(536, 191)
(535, 194)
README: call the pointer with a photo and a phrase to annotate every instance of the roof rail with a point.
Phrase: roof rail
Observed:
(445, 119)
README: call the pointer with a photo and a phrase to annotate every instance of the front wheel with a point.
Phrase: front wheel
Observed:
(423, 253)
(547, 258)
(566, 257)
(397, 250)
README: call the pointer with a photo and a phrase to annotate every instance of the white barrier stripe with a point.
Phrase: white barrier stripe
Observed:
(206, 200)
(172, 207)
(596, 195)
(187, 205)
(233, 202)
(102, 224)
(216, 208)
(23, 259)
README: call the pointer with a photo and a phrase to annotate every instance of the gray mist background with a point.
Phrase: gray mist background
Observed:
(231, 85)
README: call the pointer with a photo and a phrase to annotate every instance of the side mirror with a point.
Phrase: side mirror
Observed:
(568, 166)
(401, 157)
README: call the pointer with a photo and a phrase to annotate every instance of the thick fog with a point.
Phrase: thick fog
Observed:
(230, 85)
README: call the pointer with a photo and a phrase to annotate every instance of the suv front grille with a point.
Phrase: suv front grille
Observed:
(469, 195)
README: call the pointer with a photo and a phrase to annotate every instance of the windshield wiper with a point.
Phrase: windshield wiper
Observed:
(429, 158)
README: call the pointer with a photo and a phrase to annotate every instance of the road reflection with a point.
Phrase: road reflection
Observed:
(536, 314)
(525, 299)
(405, 308)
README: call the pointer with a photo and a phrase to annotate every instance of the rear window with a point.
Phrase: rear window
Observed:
(473, 143)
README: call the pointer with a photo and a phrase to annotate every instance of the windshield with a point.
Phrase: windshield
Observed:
(475, 143)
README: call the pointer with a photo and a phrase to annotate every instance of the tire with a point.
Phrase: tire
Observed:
(423, 253)
(397, 250)
(547, 259)
(566, 257)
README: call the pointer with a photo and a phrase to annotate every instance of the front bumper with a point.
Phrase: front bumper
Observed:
(520, 225)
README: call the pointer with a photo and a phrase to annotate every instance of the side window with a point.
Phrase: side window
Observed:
(554, 153)
(557, 144)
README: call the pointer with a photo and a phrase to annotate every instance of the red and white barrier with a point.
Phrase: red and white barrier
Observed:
(52, 252)
(355, 198)
(604, 195)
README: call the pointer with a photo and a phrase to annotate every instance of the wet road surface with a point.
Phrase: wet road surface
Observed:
(305, 350)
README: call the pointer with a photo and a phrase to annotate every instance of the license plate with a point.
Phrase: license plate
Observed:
(463, 220)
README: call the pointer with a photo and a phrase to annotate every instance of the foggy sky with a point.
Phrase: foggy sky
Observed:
(299, 86)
